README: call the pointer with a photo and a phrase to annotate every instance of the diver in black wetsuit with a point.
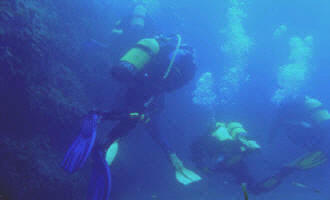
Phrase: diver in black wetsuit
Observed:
(142, 71)
(129, 30)
(148, 70)
(224, 149)
(306, 123)
(125, 33)
(151, 68)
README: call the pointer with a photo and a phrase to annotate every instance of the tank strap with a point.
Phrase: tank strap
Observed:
(139, 16)
(235, 128)
(231, 129)
(145, 49)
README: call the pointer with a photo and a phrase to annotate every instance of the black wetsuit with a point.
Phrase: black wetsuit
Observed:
(295, 119)
(145, 94)
(210, 155)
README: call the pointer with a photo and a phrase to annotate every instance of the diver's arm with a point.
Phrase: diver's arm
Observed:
(154, 132)
(112, 115)
(172, 156)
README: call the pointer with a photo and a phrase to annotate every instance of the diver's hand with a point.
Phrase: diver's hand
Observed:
(106, 115)
(176, 162)
(101, 115)
(96, 113)
(140, 117)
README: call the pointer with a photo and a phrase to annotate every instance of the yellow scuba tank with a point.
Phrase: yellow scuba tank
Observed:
(235, 129)
(221, 132)
(139, 14)
(318, 114)
(141, 54)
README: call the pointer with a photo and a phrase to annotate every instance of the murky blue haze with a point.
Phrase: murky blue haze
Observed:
(141, 170)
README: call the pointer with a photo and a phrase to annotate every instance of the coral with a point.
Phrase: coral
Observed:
(31, 170)
(29, 40)
(62, 91)
(44, 99)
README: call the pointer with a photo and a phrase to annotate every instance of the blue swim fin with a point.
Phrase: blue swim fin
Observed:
(79, 151)
(100, 183)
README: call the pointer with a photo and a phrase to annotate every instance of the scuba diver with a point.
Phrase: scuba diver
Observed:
(306, 123)
(224, 150)
(126, 32)
(130, 29)
(151, 68)
(134, 24)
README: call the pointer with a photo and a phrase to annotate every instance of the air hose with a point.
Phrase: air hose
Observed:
(170, 66)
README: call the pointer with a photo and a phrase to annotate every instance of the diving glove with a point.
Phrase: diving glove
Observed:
(141, 117)
(117, 115)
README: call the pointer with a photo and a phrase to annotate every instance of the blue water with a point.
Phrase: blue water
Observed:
(141, 170)
(200, 24)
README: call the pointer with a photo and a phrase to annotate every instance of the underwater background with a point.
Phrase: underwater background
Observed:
(250, 52)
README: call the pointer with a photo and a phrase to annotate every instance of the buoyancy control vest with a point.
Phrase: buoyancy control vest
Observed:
(154, 63)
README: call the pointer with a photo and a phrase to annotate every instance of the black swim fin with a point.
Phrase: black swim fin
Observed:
(79, 151)
(100, 183)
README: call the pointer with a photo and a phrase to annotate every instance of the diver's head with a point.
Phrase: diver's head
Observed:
(184, 68)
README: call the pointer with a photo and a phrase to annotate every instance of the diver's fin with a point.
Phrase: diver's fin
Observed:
(79, 151)
(186, 176)
(309, 161)
(272, 182)
(267, 184)
(100, 183)
(111, 153)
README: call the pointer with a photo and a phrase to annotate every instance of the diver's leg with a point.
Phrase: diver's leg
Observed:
(120, 130)
(100, 183)
(272, 182)
(198, 154)
(305, 162)
(242, 174)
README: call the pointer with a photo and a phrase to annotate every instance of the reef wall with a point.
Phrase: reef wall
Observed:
(41, 100)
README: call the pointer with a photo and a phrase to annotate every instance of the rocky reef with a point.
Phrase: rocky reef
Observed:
(42, 99)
